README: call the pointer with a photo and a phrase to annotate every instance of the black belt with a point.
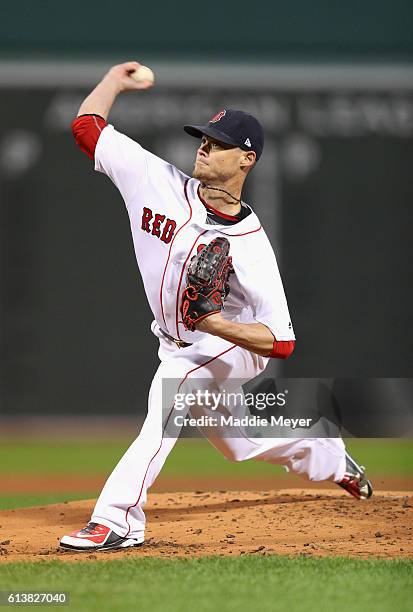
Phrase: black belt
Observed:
(179, 343)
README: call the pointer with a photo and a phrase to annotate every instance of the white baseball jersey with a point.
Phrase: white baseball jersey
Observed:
(169, 224)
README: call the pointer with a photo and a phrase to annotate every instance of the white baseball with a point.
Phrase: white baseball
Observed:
(143, 73)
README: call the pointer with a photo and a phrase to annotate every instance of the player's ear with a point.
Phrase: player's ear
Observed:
(247, 160)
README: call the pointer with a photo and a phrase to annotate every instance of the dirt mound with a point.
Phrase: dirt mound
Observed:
(231, 523)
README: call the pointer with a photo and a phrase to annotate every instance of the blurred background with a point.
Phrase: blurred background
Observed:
(332, 83)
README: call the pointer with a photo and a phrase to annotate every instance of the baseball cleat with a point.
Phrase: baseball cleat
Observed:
(96, 537)
(355, 481)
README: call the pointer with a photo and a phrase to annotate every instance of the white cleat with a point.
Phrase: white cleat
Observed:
(97, 537)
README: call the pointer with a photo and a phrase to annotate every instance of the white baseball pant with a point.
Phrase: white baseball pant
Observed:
(210, 363)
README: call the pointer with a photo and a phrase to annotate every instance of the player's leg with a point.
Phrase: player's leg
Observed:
(120, 504)
(118, 519)
(313, 458)
(207, 365)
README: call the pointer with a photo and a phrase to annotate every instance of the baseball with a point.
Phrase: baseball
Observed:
(143, 73)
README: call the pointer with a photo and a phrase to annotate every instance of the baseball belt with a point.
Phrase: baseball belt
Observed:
(179, 343)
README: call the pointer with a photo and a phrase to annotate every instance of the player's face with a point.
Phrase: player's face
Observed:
(216, 160)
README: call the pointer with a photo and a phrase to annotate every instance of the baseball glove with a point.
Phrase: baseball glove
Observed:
(206, 283)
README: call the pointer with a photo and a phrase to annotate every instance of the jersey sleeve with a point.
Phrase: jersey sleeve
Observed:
(261, 282)
(123, 160)
(136, 172)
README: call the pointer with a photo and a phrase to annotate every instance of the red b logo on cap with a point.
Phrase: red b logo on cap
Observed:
(218, 116)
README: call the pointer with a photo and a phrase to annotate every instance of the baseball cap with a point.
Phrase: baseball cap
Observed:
(232, 127)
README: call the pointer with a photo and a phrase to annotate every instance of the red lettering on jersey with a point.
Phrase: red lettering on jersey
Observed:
(156, 225)
(218, 116)
(168, 231)
(146, 217)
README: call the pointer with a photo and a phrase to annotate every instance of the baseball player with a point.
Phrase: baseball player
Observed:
(179, 225)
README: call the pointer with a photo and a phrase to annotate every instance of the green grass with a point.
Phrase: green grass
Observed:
(189, 457)
(216, 583)
(243, 583)
(381, 456)
(36, 456)
(9, 502)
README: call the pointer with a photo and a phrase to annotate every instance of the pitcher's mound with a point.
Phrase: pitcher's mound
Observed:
(231, 523)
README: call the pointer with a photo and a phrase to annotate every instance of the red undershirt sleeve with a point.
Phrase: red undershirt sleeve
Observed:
(282, 349)
(86, 131)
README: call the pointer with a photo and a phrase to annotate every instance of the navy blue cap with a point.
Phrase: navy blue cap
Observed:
(232, 127)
